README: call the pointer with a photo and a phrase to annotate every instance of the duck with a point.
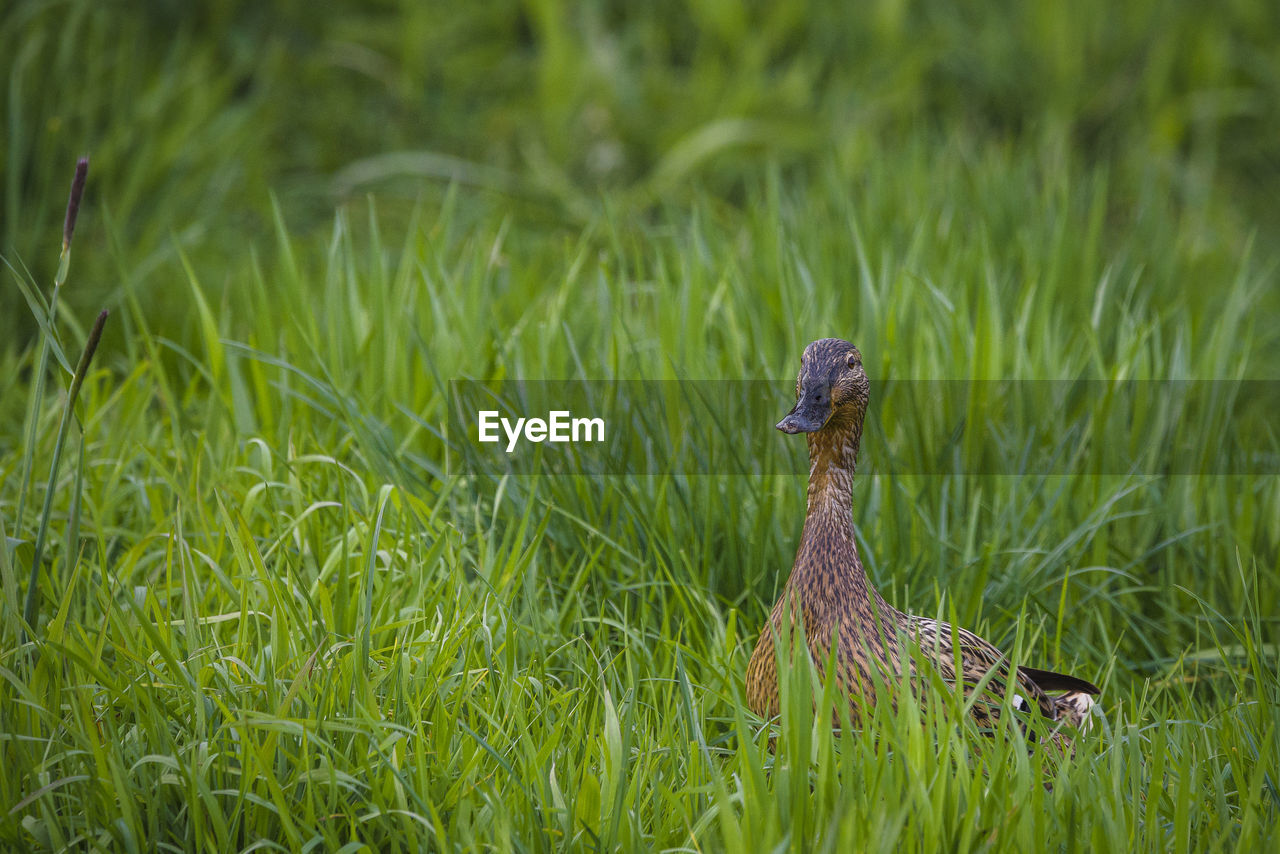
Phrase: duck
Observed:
(829, 592)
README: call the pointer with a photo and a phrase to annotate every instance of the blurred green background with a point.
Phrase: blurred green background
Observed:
(193, 113)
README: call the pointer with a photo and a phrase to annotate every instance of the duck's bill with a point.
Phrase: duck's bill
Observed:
(806, 417)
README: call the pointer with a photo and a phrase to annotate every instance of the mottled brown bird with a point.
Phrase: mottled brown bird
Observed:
(829, 590)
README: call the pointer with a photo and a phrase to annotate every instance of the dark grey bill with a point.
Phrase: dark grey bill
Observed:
(810, 414)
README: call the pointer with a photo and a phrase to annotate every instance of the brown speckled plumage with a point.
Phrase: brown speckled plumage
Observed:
(829, 590)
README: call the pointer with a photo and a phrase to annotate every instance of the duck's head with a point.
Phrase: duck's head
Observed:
(831, 389)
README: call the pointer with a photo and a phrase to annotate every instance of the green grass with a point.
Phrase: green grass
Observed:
(267, 618)
(573, 110)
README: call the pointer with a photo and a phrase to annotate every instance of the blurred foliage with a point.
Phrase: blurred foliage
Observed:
(193, 112)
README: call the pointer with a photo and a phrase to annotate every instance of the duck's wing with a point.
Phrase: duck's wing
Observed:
(978, 660)
(1047, 680)
(1027, 688)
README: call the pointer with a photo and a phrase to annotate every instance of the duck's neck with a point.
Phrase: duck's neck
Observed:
(827, 564)
(833, 453)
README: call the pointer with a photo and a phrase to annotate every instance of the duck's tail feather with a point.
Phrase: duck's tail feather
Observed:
(1049, 680)
(1076, 709)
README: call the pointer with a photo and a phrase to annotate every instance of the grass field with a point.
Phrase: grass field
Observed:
(268, 619)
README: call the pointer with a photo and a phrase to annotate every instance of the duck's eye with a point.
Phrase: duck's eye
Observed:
(853, 360)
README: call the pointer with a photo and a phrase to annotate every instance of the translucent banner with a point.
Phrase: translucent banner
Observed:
(931, 427)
